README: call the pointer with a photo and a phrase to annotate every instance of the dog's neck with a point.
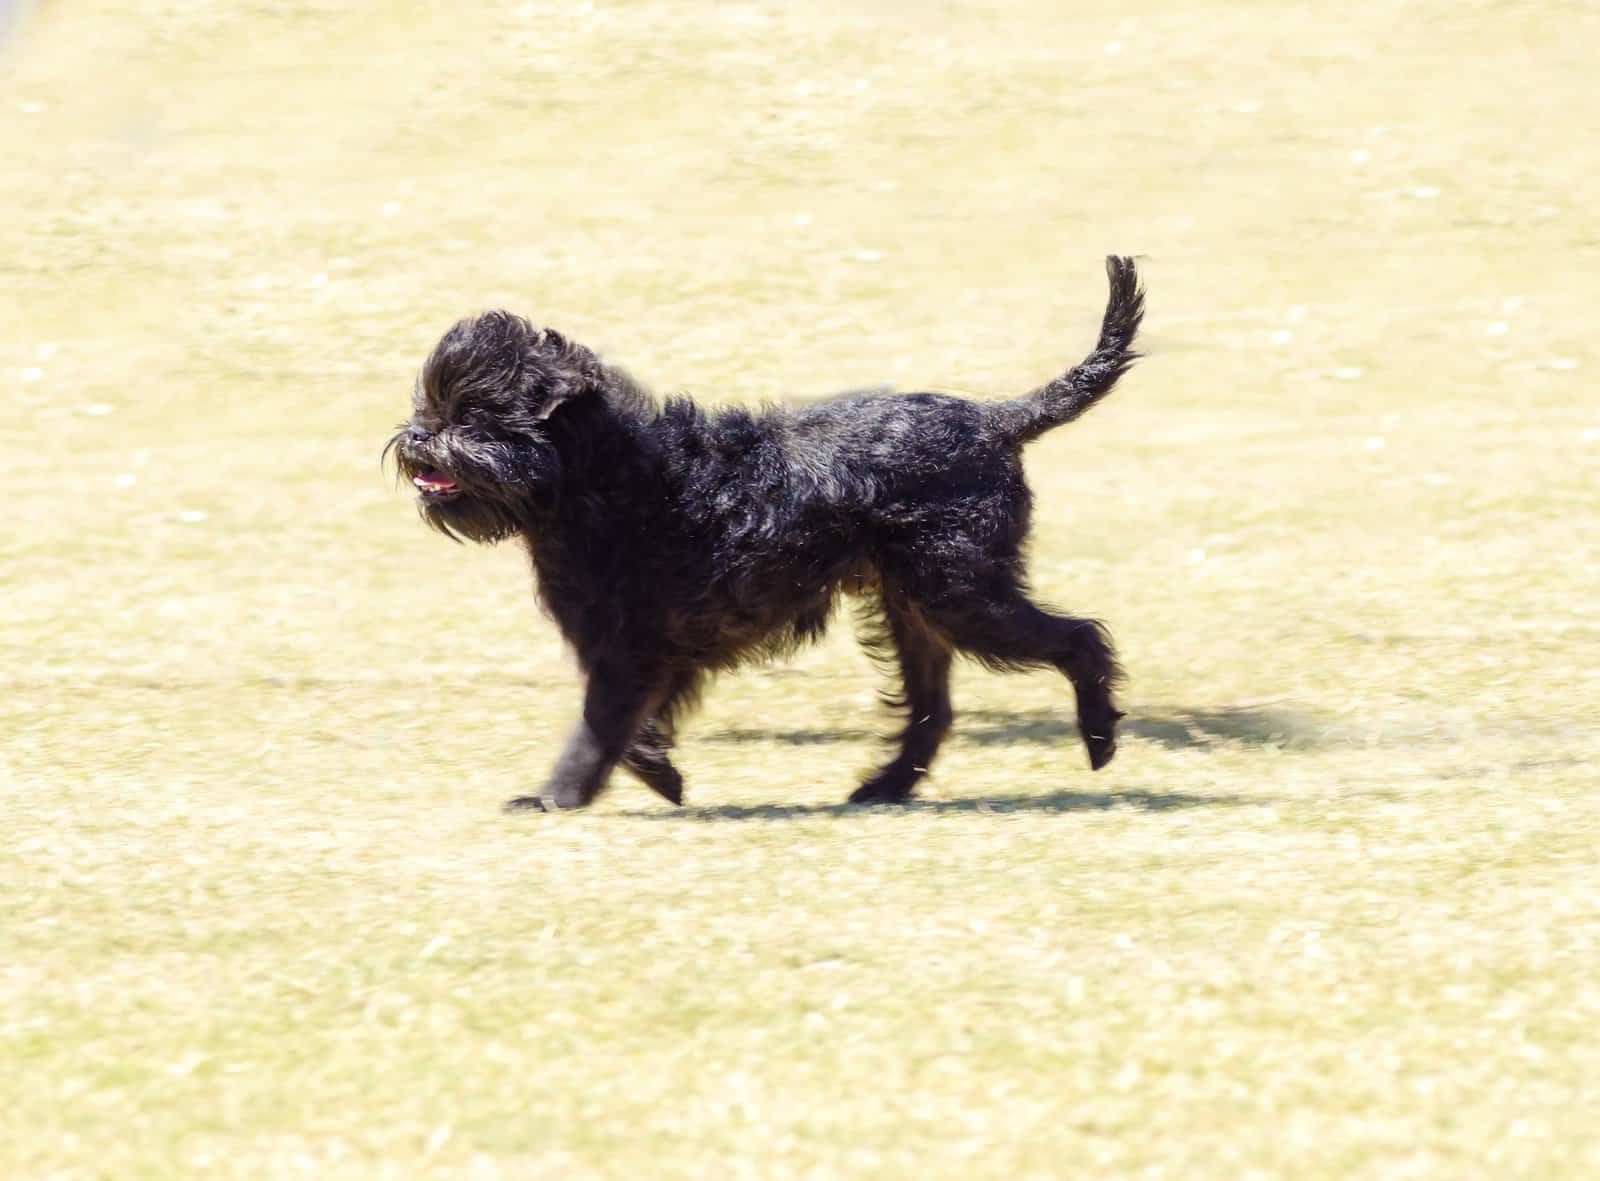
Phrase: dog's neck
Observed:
(606, 452)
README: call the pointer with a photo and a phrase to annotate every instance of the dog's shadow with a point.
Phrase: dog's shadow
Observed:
(1175, 729)
(1058, 801)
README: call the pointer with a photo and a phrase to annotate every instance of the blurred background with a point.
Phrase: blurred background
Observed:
(1333, 911)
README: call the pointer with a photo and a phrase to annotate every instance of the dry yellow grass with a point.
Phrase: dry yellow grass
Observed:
(1333, 913)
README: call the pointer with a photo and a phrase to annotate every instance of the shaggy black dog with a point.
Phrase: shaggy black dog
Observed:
(670, 543)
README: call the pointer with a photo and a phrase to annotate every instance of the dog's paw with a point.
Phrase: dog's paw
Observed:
(668, 785)
(1101, 743)
(549, 802)
(873, 793)
(528, 804)
(1100, 737)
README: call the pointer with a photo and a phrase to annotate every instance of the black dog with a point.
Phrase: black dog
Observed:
(670, 543)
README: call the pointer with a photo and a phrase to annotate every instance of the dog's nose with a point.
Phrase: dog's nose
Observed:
(418, 435)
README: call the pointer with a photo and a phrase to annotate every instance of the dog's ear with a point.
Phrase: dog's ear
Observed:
(554, 400)
(574, 371)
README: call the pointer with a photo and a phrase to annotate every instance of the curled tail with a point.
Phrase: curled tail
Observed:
(1095, 376)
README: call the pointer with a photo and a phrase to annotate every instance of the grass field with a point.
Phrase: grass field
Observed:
(1334, 911)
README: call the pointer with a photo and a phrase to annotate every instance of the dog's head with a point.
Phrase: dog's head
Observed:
(478, 447)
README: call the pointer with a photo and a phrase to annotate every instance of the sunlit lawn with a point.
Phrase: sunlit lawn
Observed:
(1333, 912)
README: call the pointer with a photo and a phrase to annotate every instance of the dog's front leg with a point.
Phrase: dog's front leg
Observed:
(648, 757)
(615, 704)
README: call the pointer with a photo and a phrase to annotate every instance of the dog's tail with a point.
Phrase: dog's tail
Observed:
(1096, 375)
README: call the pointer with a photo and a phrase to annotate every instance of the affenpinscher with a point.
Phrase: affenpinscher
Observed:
(670, 542)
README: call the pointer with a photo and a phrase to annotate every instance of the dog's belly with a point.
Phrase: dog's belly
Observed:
(767, 612)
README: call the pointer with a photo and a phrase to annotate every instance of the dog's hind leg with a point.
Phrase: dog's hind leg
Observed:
(924, 658)
(1005, 629)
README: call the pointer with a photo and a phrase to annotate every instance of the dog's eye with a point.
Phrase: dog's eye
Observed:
(467, 418)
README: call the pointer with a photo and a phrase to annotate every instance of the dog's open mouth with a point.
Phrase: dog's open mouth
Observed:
(435, 484)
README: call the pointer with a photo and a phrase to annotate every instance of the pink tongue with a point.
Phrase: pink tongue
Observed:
(433, 482)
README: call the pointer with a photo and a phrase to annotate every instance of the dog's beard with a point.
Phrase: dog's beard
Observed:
(467, 518)
(473, 487)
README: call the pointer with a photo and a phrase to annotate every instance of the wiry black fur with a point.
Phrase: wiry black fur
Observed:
(670, 543)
